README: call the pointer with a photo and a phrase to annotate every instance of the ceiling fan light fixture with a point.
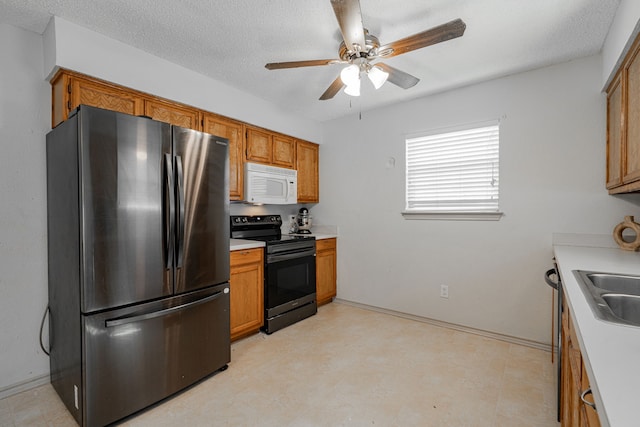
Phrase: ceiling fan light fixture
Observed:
(377, 76)
(353, 89)
(350, 75)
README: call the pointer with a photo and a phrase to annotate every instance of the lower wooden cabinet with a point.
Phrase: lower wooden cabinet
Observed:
(246, 292)
(575, 412)
(588, 413)
(326, 257)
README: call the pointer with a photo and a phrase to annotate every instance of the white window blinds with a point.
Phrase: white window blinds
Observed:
(454, 171)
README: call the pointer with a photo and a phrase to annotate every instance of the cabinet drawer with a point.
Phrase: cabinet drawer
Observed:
(325, 244)
(246, 256)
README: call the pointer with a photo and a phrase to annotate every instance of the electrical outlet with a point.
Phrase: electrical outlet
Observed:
(444, 291)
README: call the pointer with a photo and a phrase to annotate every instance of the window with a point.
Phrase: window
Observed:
(453, 175)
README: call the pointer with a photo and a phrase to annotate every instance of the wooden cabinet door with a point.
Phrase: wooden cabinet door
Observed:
(231, 130)
(588, 415)
(284, 151)
(174, 114)
(614, 133)
(258, 146)
(246, 292)
(631, 135)
(104, 96)
(568, 404)
(307, 166)
(326, 260)
(60, 104)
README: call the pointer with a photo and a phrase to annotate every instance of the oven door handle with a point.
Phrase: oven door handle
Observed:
(288, 256)
(549, 280)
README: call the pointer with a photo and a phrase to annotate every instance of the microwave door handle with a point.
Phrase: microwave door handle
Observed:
(286, 186)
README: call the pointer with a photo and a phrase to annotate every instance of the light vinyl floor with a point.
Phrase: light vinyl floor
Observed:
(348, 366)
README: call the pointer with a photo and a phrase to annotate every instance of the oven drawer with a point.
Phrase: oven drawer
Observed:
(246, 256)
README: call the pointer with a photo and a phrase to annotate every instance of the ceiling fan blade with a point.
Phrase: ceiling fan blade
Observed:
(350, 22)
(397, 77)
(297, 64)
(332, 90)
(435, 35)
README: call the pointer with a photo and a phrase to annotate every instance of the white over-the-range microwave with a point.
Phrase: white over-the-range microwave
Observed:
(270, 184)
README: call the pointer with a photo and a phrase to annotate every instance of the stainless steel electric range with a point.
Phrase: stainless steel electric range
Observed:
(290, 270)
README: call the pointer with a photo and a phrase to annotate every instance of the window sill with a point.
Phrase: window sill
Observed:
(454, 216)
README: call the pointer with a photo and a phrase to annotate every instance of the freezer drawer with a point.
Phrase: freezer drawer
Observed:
(137, 356)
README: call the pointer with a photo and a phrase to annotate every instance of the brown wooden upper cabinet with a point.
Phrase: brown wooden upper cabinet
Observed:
(307, 166)
(258, 146)
(614, 134)
(623, 125)
(70, 90)
(174, 114)
(284, 151)
(233, 131)
(246, 143)
(263, 146)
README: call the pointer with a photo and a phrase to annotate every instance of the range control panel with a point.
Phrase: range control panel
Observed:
(256, 220)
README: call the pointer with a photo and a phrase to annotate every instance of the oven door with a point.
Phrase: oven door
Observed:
(290, 282)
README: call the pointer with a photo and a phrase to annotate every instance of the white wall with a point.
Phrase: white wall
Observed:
(552, 159)
(88, 52)
(624, 28)
(24, 121)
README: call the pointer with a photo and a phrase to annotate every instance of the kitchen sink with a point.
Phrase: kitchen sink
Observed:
(618, 283)
(625, 307)
(612, 297)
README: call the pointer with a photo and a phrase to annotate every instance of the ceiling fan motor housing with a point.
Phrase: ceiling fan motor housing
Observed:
(369, 52)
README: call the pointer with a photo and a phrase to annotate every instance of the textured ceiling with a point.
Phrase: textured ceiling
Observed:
(231, 40)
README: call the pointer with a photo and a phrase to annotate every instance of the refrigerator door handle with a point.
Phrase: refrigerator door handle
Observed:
(169, 226)
(152, 315)
(180, 221)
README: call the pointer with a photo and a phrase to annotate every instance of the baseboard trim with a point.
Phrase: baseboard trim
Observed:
(494, 335)
(24, 385)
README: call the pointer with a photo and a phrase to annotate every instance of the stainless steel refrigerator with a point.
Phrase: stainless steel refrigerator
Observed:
(138, 247)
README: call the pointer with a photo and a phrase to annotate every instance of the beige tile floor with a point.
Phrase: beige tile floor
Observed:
(348, 367)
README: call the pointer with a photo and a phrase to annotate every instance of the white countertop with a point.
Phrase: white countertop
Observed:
(611, 351)
(239, 244)
(319, 236)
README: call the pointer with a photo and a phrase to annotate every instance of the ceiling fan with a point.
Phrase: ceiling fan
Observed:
(362, 50)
